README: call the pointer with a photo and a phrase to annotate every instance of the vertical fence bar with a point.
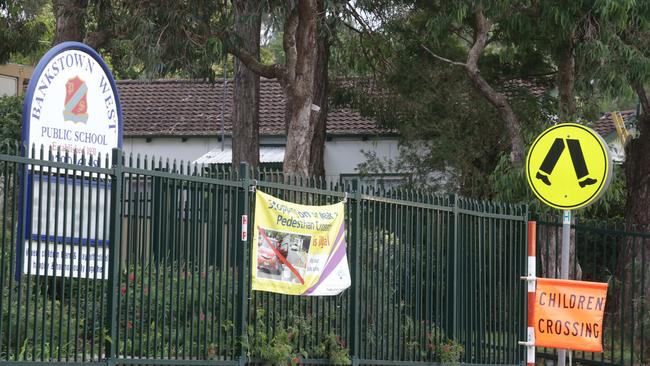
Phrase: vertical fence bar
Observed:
(14, 244)
(244, 242)
(530, 281)
(114, 252)
(3, 259)
(355, 242)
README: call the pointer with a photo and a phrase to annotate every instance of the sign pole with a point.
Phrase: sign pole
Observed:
(564, 269)
(532, 273)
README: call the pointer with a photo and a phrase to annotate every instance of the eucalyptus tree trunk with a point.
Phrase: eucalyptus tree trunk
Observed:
(296, 78)
(298, 88)
(246, 93)
(70, 20)
(566, 82)
(634, 257)
(321, 86)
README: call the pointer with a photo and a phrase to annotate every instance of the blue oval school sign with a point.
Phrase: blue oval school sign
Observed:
(72, 104)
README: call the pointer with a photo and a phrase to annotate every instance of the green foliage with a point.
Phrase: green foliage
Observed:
(452, 139)
(171, 40)
(443, 349)
(436, 346)
(275, 349)
(23, 28)
(179, 306)
(332, 349)
(289, 340)
(160, 312)
(11, 111)
(272, 52)
(447, 143)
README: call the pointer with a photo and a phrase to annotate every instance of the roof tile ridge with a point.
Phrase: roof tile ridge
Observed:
(187, 81)
(621, 111)
(162, 81)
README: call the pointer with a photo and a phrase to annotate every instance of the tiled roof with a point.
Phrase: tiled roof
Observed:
(605, 125)
(194, 108)
(537, 88)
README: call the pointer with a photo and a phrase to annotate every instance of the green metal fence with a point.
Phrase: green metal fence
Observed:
(613, 253)
(167, 277)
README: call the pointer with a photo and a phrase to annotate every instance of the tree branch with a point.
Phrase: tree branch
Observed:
(442, 58)
(358, 18)
(274, 71)
(481, 28)
(350, 27)
(368, 31)
(458, 34)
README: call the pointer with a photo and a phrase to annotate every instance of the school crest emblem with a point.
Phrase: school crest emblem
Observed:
(76, 105)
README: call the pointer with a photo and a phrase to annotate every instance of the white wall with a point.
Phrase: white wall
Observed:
(172, 147)
(342, 154)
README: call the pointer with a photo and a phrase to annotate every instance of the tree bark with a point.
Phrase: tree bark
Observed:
(70, 20)
(637, 218)
(566, 81)
(296, 77)
(301, 132)
(321, 87)
(246, 94)
(549, 236)
(481, 29)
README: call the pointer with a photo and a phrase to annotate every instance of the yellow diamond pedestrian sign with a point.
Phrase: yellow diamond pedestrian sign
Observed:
(568, 166)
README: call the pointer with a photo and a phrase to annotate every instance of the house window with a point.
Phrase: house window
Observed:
(8, 86)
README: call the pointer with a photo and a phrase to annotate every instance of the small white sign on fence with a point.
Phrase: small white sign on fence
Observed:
(65, 260)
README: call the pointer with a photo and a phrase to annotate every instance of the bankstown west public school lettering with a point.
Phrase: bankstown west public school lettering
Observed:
(74, 108)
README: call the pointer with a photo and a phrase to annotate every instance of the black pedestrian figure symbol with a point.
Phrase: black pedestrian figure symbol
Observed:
(577, 158)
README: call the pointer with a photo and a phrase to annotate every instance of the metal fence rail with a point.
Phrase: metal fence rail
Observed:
(607, 252)
(166, 275)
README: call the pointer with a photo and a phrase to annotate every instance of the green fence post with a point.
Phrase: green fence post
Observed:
(523, 317)
(114, 253)
(355, 240)
(242, 258)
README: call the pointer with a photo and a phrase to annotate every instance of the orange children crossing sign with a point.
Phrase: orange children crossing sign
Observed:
(569, 314)
(569, 166)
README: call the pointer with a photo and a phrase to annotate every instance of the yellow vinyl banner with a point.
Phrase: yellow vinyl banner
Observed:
(569, 314)
(299, 249)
